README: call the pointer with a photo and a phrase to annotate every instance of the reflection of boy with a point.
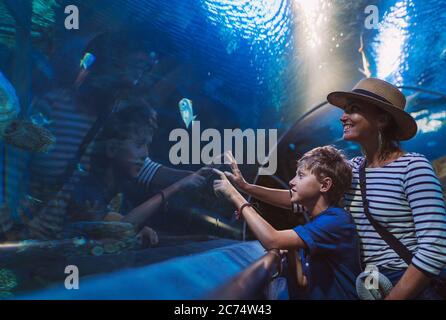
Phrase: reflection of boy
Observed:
(122, 68)
(118, 154)
(328, 245)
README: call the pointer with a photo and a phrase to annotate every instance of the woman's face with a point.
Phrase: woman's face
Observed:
(360, 122)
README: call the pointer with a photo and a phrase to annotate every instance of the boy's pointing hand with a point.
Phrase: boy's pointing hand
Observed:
(223, 186)
(236, 176)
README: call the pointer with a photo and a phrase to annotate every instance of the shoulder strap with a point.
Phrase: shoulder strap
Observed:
(388, 237)
(88, 138)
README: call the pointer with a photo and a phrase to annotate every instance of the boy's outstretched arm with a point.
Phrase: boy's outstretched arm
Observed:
(277, 197)
(265, 233)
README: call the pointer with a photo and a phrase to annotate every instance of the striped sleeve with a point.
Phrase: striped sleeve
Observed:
(50, 221)
(424, 194)
(44, 104)
(148, 171)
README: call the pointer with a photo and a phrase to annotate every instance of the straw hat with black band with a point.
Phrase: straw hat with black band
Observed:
(383, 95)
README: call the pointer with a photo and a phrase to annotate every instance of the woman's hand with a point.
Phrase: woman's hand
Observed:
(411, 284)
(236, 175)
(223, 186)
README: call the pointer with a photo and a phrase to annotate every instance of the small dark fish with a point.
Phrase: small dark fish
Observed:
(39, 119)
(32, 199)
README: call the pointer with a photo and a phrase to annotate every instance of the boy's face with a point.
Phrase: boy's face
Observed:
(305, 187)
(130, 155)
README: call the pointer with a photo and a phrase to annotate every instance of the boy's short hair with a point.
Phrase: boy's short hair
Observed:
(329, 162)
(133, 119)
(131, 122)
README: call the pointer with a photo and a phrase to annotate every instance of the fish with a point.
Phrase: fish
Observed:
(80, 168)
(33, 199)
(28, 136)
(186, 110)
(19, 133)
(39, 119)
(365, 62)
(231, 46)
(87, 60)
(443, 54)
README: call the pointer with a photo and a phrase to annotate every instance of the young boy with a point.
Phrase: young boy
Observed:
(328, 244)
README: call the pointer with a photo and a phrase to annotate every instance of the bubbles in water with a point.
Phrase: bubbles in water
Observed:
(97, 251)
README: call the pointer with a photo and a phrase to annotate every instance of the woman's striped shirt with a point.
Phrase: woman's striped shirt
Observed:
(405, 197)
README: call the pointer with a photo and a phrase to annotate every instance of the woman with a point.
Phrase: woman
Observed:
(403, 192)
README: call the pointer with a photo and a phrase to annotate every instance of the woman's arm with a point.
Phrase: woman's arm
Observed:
(412, 283)
(276, 197)
(424, 194)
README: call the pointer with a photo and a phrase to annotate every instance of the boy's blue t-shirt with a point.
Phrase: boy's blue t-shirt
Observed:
(331, 259)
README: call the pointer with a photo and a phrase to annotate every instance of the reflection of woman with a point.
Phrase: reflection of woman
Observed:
(118, 154)
(403, 192)
(121, 72)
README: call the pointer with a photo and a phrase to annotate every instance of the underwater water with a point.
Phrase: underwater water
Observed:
(264, 64)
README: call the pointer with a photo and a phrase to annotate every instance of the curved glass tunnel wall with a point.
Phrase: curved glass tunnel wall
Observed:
(243, 64)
